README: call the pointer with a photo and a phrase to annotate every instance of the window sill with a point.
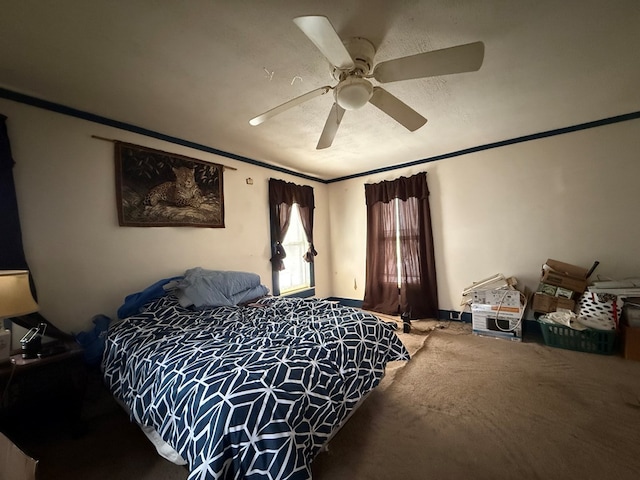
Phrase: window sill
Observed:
(302, 293)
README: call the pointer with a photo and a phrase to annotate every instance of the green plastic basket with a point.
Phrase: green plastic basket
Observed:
(590, 340)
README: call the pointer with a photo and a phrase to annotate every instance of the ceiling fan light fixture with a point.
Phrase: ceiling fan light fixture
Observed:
(353, 93)
(352, 64)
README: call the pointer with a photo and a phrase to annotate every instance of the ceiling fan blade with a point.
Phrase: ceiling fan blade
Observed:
(396, 109)
(287, 105)
(463, 58)
(330, 127)
(320, 31)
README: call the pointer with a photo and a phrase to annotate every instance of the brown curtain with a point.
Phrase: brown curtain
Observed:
(418, 289)
(282, 195)
(381, 295)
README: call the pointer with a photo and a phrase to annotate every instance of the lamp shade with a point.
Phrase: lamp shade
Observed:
(15, 294)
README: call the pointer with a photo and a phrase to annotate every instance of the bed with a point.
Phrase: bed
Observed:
(249, 391)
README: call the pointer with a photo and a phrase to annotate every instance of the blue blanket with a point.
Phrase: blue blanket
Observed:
(247, 392)
(133, 303)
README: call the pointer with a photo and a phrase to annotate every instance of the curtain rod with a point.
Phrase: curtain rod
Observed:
(226, 167)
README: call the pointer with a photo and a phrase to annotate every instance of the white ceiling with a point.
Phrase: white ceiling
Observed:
(200, 69)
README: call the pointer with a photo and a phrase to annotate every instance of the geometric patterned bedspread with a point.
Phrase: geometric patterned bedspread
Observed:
(247, 392)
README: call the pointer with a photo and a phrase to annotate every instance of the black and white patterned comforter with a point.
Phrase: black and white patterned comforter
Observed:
(247, 392)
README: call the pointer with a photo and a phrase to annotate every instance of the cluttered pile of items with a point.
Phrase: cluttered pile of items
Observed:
(561, 284)
(570, 316)
(592, 317)
(573, 312)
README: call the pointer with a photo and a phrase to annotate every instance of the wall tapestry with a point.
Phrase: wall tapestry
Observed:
(160, 189)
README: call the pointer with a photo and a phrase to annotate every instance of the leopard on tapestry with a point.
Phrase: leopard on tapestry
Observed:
(182, 192)
(162, 189)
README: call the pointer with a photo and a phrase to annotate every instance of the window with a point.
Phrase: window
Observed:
(392, 272)
(296, 275)
(398, 231)
(292, 252)
(401, 275)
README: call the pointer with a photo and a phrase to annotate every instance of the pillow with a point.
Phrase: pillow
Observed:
(201, 287)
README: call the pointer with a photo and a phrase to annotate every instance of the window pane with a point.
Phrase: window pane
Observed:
(389, 241)
(409, 238)
(296, 273)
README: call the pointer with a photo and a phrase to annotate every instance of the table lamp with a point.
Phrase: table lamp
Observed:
(15, 300)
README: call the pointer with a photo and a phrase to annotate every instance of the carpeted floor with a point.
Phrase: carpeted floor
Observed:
(414, 341)
(463, 407)
(485, 408)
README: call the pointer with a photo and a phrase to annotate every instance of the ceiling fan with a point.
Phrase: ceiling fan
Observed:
(352, 62)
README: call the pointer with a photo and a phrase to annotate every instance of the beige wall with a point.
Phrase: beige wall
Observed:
(83, 262)
(571, 197)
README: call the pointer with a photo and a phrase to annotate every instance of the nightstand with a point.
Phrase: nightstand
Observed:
(40, 392)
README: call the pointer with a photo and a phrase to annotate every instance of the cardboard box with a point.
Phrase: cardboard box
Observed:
(14, 463)
(564, 292)
(547, 289)
(497, 313)
(546, 303)
(565, 275)
(631, 312)
(574, 284)
(486, 324)
(505, 300)
(566, 269)
(630, 342)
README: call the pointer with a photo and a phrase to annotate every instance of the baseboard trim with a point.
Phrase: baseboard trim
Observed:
(454, 315)
(347, 302)
(530, 326)
(306, 293)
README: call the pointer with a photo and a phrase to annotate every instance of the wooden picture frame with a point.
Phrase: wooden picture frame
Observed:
(160, 189)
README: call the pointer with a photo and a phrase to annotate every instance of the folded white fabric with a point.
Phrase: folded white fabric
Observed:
(569, 319)
(563, 317)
